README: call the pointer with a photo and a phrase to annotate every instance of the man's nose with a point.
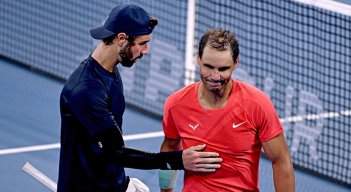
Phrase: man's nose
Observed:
(215, 76)
(145, 49)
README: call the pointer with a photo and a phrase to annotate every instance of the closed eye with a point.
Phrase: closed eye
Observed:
(209, 66)
(223, 68)
(143, 43)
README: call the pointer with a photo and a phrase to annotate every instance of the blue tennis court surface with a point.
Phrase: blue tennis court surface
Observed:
(29, 116)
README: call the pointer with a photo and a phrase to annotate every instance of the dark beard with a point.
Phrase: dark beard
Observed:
(221, 81)
(126, 59)
(126, 56)
(127, 62)
(218, 92)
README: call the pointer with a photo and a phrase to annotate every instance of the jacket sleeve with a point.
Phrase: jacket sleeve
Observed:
(112, 145)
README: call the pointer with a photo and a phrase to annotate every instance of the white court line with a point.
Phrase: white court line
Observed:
(160, 133)
(143, 135)
(29, 148)
(57, 145)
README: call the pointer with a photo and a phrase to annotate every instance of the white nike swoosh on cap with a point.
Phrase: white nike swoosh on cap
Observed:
(237, 125)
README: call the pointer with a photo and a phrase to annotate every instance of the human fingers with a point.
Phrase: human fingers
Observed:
(208, 160)
(205, 167)
(203, 170)
(202, 167)
(208, 166)
(208, 154)
(198, 147)
(199, 164)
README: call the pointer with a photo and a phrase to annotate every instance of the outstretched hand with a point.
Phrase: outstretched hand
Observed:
(196, 160)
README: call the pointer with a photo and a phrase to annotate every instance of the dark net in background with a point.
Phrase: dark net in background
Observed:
(299, 55)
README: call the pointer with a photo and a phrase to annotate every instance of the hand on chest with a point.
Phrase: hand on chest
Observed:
(229, 130)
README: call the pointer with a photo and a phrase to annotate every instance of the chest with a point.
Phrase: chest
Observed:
(116, 100)
(230, 130)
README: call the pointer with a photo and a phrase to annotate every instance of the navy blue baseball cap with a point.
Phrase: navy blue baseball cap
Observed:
(127, 18)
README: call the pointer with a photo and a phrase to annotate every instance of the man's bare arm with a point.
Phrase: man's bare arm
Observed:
(283, 172)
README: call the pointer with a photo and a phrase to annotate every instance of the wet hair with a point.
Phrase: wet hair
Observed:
(221, 40)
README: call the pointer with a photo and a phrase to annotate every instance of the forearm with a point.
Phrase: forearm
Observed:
(137, 159)
(284, 178)
(111, 144)
(168, 179)
(283, 171)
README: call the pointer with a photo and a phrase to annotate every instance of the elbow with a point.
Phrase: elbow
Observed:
(284, 165)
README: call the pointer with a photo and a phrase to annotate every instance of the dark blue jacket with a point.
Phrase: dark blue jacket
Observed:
(92, 104)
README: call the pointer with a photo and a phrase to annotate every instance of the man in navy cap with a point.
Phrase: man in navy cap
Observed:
(93, 154)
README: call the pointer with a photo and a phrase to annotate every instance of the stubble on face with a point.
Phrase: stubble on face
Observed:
(126, 55)
(216, 68)
(216, 87)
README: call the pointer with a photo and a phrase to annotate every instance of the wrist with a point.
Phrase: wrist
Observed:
(167, 179)
(172, 160)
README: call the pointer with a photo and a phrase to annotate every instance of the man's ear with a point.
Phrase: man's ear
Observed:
(236, 62)
(121, 38)
(198, 58)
